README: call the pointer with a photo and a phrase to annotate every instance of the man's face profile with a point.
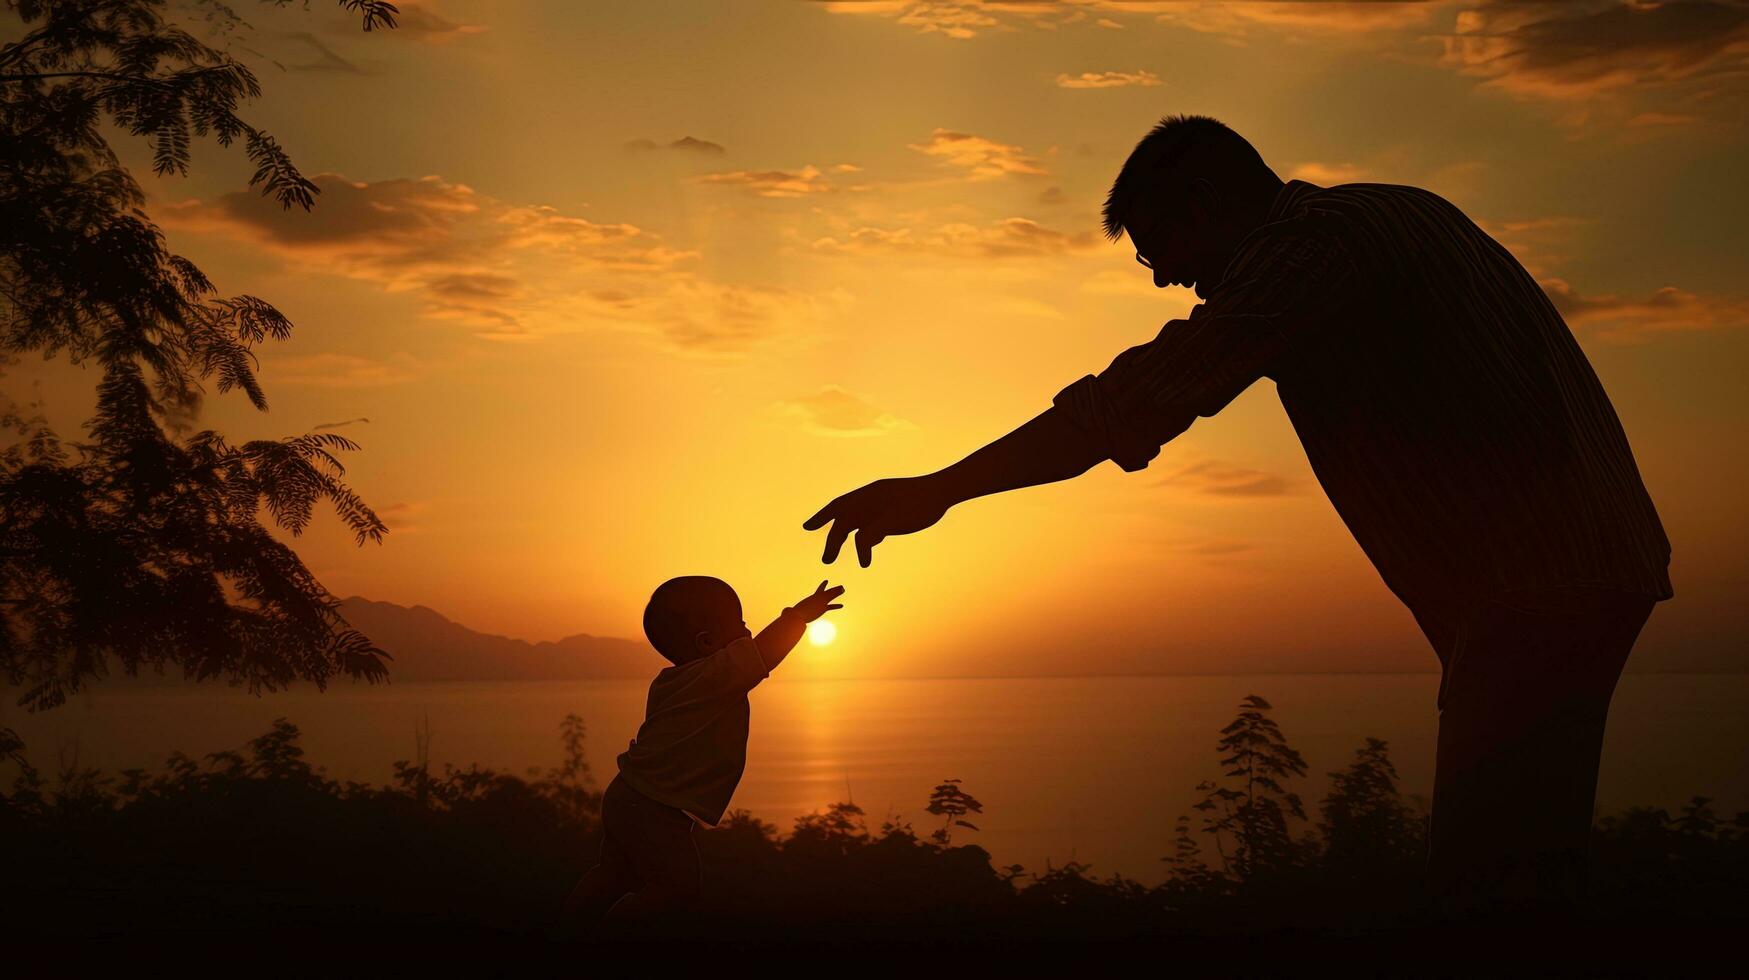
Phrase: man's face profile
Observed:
(1166, 235)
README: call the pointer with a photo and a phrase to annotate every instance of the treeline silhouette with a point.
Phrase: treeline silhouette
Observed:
(257, 845)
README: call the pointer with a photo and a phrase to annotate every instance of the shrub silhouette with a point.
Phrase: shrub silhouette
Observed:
(259, 843)
(1251, 802)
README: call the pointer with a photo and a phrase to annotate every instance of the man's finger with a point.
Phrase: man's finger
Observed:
(835, 540)
(865, 542)
(821, 587)
(820, 518)
(834, 592)
(835, 606)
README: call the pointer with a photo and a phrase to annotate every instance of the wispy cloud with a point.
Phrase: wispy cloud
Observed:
(1565, 50)
(1540, 244)
(833, 411)
(946, 18)
(1221, 479)
(1109, 79)
(1236, 20)
(714, 318)
(966, 19)
(507, 271)
(1570, 51)
(469, 254)
(417, 21)
(343, 423)
(340, 371)
(1327, 173)
(685, 144)
(1008, 238)
(775, 183)
(1638, 318)
(981, 158)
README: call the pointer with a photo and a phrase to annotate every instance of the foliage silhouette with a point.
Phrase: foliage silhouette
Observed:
(145, 543)
(257, 843)
(950, 801)
(1367, 827)
(1251, 802)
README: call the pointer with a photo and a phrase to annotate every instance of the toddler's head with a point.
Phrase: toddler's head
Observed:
(693, 616)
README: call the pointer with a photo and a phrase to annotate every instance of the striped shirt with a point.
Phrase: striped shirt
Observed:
(1442, 402)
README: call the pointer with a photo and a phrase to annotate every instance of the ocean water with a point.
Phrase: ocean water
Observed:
(1094, 770)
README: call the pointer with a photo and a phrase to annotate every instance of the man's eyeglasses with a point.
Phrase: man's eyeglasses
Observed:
(1145, 263)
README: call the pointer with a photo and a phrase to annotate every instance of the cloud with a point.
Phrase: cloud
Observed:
(1108, 79)
(981, 158)
(1539, 244)
(409, 231)
(1638, 318)
(1008, 238)
(1567, 50)
(685, 144)
(951, 19)
(339, 371)
(1219, 479)
(833, 411)
(947, 18)
(706, 317)
(1326, 173)
(1215, 547)
(483, 298)
(1236, 19)
(506, 271)
(965, 19)
(1571, 51)
(402, 516)
(774, 183)
(418, 22)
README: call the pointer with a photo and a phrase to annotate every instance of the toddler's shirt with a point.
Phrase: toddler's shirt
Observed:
(692, 747)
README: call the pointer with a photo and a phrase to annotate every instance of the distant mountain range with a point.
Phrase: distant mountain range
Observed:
(429, 647)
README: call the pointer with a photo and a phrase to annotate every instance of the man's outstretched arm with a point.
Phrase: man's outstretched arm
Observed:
(1285, 285)
(1045, 450)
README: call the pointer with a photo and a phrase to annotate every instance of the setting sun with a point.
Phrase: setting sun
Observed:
(821, 632)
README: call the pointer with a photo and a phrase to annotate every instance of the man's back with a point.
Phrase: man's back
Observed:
(1450, 415)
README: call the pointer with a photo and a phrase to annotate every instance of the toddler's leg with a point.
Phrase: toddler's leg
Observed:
(613, 875)
(598, 890)
(673, 877)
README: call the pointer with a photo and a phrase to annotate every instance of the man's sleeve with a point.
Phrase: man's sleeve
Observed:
(1290, 282)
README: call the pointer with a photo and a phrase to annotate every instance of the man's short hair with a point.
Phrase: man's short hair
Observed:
(681, 608)
(1202, 146)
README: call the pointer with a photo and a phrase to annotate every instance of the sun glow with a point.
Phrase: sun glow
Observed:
(821, 632)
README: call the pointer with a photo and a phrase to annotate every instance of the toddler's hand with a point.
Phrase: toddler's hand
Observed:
(820, 603)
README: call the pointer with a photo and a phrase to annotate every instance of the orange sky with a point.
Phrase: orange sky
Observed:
(627, 291)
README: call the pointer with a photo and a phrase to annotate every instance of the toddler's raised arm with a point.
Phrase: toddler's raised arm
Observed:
(777, 640)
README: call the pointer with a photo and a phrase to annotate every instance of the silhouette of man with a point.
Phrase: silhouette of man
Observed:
(1453, 421)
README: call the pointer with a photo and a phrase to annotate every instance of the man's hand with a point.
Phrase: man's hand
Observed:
(819, 604)
(882, 508)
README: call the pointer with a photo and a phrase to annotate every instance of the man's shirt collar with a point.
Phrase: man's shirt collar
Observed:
(1288, 198)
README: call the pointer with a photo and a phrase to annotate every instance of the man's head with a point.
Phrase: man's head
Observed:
(1189, 193)
(693, 616)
